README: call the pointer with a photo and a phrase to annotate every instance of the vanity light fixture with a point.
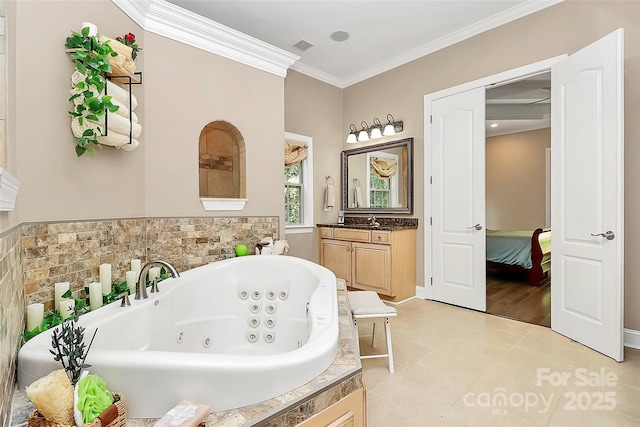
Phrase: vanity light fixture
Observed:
(376, 129)
(364, 133)
(352, 138)
(392, 126)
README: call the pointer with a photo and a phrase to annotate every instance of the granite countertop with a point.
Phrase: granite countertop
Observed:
(341, 378)
(385, 223)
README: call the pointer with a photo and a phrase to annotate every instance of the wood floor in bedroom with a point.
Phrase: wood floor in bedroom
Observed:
(509, 295)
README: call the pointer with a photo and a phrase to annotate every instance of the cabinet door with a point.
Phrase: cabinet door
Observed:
(372, 268)
(336, 256)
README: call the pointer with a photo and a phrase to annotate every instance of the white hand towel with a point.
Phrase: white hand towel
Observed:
(358, 197)
(129, 147)
(116, 123)
(121, 94)
(329, 196)
(117, 140)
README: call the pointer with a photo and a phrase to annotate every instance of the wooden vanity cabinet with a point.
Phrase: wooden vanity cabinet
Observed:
(349, 411)
(383, 261)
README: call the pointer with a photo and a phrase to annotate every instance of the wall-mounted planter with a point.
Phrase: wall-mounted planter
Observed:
(211, 204)
(8, 190)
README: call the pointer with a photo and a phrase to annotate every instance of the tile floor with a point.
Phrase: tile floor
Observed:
(458, 367)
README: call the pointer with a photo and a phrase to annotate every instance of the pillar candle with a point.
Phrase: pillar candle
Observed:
(105, 278)
(67, 308)
(35, 314)
(154, 273)
(59, 290)
(93, 29)
(136, 265)
(132, 278)
(95, 295)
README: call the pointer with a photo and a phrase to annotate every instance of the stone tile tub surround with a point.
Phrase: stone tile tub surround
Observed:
(73, 251)
(12, 303)
(342, 378)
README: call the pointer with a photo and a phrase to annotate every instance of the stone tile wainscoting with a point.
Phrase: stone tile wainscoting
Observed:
(12, 305)
(34, 256)
(73, 251)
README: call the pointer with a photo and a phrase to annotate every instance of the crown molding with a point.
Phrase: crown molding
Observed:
(502, 18)
(318, 75)
(171, 21)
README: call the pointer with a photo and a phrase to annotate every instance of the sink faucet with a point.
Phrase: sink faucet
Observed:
(141, 287)
(372, 221)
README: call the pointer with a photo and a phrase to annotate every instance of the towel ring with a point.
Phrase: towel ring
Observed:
(329, 179)
(356, 183)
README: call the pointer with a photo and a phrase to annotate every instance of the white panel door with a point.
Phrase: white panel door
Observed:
(458, 199)
(587, 196)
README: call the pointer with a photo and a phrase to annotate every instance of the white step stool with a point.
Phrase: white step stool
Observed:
(368, 305)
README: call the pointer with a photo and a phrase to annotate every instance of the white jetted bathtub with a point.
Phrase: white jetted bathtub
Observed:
(227, 334)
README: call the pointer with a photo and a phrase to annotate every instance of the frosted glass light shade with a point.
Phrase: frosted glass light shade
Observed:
(375, 133)
(363, 136)
(389, 130)
(352, 139)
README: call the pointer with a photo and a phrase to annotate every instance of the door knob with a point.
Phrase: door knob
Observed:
(609, 235)
(477, 227)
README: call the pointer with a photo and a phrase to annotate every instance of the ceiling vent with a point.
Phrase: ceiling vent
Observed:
(303, 45)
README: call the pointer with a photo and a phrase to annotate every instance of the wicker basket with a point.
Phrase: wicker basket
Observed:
(114, 416)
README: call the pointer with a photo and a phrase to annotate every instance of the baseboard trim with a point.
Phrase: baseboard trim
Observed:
(398, 302)
(631, 338)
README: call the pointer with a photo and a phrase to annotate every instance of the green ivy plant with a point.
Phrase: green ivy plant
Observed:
(52, 318)
(91, 58)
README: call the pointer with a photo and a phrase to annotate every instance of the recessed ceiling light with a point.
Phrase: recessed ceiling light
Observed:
(339, 36)
(494, 125)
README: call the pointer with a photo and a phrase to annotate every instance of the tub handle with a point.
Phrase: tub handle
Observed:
(125, 299)
(154, 286)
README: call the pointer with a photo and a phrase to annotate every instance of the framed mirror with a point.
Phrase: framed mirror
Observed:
(378, 179)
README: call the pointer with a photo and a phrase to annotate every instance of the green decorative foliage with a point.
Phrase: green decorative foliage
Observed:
(52, 318)
(91, 58)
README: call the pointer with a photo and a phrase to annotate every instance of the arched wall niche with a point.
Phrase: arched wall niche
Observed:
(222, 166)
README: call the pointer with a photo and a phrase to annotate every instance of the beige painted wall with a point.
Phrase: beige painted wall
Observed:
(183, 89)
(314, 109)
(560, 29)
(216, 89)
(9, 219)
(54, 183)
(515, 183)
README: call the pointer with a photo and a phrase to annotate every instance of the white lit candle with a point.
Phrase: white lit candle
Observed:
(93, 29)
(136, 265)
(59, 290)
(67, 308)
(154, 273)
(132, 278)
(35, 314)
(95, 295)
(105, 278)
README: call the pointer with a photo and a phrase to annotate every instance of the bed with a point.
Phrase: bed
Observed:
(527, 252)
